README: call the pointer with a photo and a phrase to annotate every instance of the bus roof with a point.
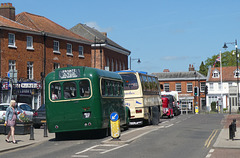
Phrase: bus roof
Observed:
(141, 72)
(79, 71)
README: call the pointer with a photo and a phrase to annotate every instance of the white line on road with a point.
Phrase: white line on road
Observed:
(169, 125)
(79, 156)
(114, 149)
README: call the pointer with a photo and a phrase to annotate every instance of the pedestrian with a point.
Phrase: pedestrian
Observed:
(10, 120)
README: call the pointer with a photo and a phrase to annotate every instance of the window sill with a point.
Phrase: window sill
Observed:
(81, 56)
(56, 52)
(30, 48)
(69, 54)
(12, 46)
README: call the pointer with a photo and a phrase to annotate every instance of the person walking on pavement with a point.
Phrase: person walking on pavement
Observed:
(10, 120)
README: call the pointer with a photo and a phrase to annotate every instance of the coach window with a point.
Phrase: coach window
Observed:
(69, 90)
(55, 91)
(84, 88)
(103, 87)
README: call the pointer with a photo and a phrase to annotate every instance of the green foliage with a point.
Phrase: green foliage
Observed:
(228, 59)
(213, 106)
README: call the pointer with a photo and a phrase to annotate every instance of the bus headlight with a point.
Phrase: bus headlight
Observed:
(86, 114)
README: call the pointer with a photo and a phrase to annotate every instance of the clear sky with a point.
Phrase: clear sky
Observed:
(164, 34)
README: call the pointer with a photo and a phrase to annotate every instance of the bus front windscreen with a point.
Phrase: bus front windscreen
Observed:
(130, 81)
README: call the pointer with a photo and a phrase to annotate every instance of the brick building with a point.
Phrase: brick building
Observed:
(184, 83)
(31, 46)
(106, 54)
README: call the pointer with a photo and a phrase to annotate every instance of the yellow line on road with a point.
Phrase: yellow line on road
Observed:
(210, 138)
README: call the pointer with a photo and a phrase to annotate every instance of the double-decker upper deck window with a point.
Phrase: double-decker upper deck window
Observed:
(130, 81)
(69, 90)
(84, 88)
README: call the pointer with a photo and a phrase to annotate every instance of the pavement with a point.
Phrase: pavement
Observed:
(223, 146)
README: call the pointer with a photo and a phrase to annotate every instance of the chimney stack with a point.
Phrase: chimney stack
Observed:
(166, 70)
(7, 10)
(104, 34)
(191, 68)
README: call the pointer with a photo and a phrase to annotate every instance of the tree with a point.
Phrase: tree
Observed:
(228, 59)
(203, 69)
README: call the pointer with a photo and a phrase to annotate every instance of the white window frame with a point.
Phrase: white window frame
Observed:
(30, 43)
(80, 52)
(202, 86)
(178, 87)
(210, 86)
(56, 46)
(30, 70)
(215, 74)
(12, 65)
(236, 73)
(189, 86)
(166, 87)
(56, 66)
(69, 49)
(11, 40)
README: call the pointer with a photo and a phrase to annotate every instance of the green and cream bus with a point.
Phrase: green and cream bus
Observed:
(82, 98)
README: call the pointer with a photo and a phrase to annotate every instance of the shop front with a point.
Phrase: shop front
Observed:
(23, 92)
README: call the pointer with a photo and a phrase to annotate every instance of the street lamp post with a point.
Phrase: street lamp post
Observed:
(237, 73)
(138, 61)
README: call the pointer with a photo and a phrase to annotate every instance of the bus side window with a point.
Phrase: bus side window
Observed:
(55, 91)
(84, 88)
(69, 89)
(103, 87)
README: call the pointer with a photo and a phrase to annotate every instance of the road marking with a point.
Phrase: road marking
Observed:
(169, 125)
(86, 149)
(79, 156)
(210, 138)
(178, 121)
(208, 155)
(113, 149)
(211, 151)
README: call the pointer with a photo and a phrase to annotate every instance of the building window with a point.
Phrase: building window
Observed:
(236, 73)
(80, 51)
(211, 86)
(189, 87)
(220, 86)
(123, 66)
(166, 87)
(215, 74)
(116, 68)
(203, 85)
(12, 65)
(178, 87)
(69, 49)
(56, 66)
(11, 40)
(30, 42)
(68, 65)
(56, 46)
(112, 66)
(120, 66)
(30, 70)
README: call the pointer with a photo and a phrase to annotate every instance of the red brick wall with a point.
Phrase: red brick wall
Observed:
(22, 55)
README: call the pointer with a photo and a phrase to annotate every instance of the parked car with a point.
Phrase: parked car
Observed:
(167, 107)
(3, 108)
(39, 116)
(21, 108)
(25, 109)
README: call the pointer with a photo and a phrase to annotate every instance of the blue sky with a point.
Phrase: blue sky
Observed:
(164, 34)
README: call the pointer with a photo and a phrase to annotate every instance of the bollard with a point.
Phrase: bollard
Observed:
(31, 133)
(45, 130)
(234, 125)
(230, 132)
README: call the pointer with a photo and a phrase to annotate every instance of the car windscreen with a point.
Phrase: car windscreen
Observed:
(130, 81)
(26, 107)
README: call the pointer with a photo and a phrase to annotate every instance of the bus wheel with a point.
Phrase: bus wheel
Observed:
(155, 115)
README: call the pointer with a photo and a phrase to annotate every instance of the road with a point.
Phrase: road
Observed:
(184, 136)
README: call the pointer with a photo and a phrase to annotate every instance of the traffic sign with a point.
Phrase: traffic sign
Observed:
(114, 116)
